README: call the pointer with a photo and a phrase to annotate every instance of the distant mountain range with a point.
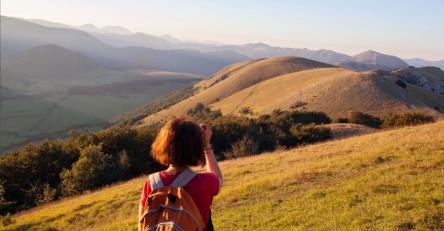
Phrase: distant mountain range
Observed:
(23, 35)
(120, 37)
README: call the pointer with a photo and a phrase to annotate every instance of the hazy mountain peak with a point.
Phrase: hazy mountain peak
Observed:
(116, 30)
(259, 44)
(371, 57)
(170, 38)
(89, 26)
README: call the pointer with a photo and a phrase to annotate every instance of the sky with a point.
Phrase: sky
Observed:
(406, 28)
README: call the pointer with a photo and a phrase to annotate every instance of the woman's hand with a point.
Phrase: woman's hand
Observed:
(212, 165)
(207, 134)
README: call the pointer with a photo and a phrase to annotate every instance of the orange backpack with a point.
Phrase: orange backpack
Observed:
(171, 207)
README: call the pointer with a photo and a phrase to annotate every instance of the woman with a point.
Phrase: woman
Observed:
(182, 143)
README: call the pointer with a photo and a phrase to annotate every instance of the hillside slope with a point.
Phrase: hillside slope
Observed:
(334, 91)
(339, 185)
(234, 78)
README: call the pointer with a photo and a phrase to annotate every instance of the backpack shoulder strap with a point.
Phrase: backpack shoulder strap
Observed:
(155, 181)
(184, 177)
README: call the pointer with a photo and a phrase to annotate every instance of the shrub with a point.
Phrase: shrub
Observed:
(200, 112)
(47, 195)
(340, 120)
(4, 204)
(401, 84)
(406, 119)
(287, 118)
(244, 147)
(246, 111)
(298, 104)
(94, 168)
(6, 219)
(309, 133)
(357, 117)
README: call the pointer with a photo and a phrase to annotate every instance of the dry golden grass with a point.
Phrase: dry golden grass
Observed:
(391, 180)
(279, 83)
(235, 78)
(334, 91)
(344, 130)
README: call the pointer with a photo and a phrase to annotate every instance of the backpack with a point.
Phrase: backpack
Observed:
(171, 208)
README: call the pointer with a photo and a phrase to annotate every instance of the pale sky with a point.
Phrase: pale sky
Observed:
(406, 28)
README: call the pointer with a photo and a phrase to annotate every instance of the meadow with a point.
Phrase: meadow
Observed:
(389, 180)
(26, 119)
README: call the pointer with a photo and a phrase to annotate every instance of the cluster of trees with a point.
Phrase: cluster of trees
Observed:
(388, 121)
(40, 173)
(235, 136)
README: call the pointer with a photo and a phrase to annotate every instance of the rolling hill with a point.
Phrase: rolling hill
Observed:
(389, 180)
(264, 85)
(234, 78)
(334, 91)
(49, 66)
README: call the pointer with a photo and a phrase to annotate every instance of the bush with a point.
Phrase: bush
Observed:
(47, 195)
(309, 133)
(340, 120)
(4, 204)
(244, 147)
(94, 168)
(246, 111)
(406, 119)
(298, 104)
(200, 112)
(6, 219)
(357, 117)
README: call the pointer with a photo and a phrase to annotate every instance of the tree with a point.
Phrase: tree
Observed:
(244, 147)
(4, 205)
(94, 168)
(357, 117)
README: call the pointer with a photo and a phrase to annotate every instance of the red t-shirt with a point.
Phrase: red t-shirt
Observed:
(202, 188)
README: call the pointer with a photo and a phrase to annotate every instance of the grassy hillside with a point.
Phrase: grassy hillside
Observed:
(334, 91)
(382, 181)
(264, 85)
(234, 78)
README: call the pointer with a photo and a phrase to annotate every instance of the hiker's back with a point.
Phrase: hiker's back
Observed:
(171, 207)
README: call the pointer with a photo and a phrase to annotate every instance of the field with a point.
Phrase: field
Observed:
(391, 180)
(28, 118)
